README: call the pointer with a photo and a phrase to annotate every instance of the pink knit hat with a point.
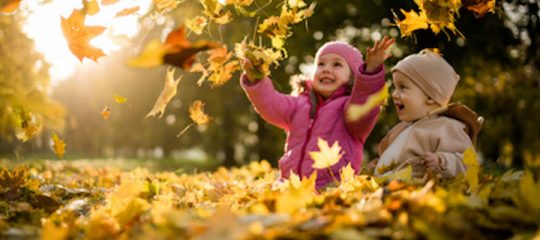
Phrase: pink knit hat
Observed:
(431, 73)
(352, 55)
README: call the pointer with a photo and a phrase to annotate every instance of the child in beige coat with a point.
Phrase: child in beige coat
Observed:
(432, 134)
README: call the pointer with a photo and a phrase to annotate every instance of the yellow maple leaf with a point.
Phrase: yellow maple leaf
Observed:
(78, 36)
(152, 55)
(106, 112)
(473, 168)
(196, 113)
(119, 99)
(168, 92)
(326, 156)
(347, 174)
(59, 146)
(412, 21)
(357, 111)
(215, 11)
(260, 57)
(196, 24)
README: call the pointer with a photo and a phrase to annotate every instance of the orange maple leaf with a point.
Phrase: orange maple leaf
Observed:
(9, 6)
(127, 11)
(106, 112)
(181, 52)
(78, 36)
(479, 7)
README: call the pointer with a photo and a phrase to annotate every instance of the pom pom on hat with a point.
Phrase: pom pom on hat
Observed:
(352, 55)
(431, 73)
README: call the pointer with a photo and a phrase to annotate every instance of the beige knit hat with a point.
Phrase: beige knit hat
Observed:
(431, 73)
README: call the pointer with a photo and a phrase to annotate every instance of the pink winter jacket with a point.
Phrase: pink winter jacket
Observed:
(292, 114)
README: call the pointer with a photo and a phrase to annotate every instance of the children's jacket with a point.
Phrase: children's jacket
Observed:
(327, 121)
(447, 132)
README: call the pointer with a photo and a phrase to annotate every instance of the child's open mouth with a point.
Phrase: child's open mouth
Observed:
(327, 80)
(400, 106)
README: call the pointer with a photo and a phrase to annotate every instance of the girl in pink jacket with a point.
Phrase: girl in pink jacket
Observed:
(341, 78)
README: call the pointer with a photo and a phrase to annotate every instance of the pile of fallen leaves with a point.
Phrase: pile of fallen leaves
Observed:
(64, 201)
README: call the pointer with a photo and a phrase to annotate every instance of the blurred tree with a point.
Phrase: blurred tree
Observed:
(24, 86)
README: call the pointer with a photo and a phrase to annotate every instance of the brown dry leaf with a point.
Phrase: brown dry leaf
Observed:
(128, 11)
(196, 113)
(479, 7)
(106, 112)
(9, 6)
(59, 146)
(181, 52)
(169, 91)
(78, 36)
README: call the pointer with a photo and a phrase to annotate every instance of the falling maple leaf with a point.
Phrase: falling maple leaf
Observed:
(215, 11)
(357, 111)
(9, 6)
(412, 21)
(196, 113)
(127, 11)
(169, 91)
(181, 52)
(30, 126)
(479, 7)
(59, 146)
(326, 156)
(106, 112)
(120, 99)
(196, 24)
(198, 67)
(78, 36)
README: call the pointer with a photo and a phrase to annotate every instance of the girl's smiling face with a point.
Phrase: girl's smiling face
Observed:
(331, 73)
(410, 101)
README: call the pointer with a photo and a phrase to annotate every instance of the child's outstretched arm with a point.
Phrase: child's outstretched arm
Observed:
(274, 107)
(371, 80)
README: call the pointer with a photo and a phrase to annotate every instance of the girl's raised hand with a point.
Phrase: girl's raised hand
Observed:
(249, 70)
(376, 55)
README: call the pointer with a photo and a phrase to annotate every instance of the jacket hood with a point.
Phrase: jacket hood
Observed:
(465, 115)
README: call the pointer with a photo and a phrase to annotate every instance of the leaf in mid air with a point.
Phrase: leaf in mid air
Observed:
(29, 124)
(196, 24)
(9, 6)
(326, 156)
(196, 113)
(214, 10)
(106, 112)
(59, 146)
(164, 6)
(119, 99)
(479, 7)
(357, 111)
(181, 52)
(260, 57)
(78, 36)
(412, 21)
(127, 11)
(169, 91)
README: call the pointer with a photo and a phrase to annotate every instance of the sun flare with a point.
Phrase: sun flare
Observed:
(43, 25)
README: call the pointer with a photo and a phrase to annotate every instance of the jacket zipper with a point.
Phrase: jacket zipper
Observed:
(308, 136)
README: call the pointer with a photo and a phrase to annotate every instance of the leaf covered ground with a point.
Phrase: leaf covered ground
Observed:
(55, 200)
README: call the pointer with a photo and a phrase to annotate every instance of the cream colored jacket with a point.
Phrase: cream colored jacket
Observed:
(447, 132)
